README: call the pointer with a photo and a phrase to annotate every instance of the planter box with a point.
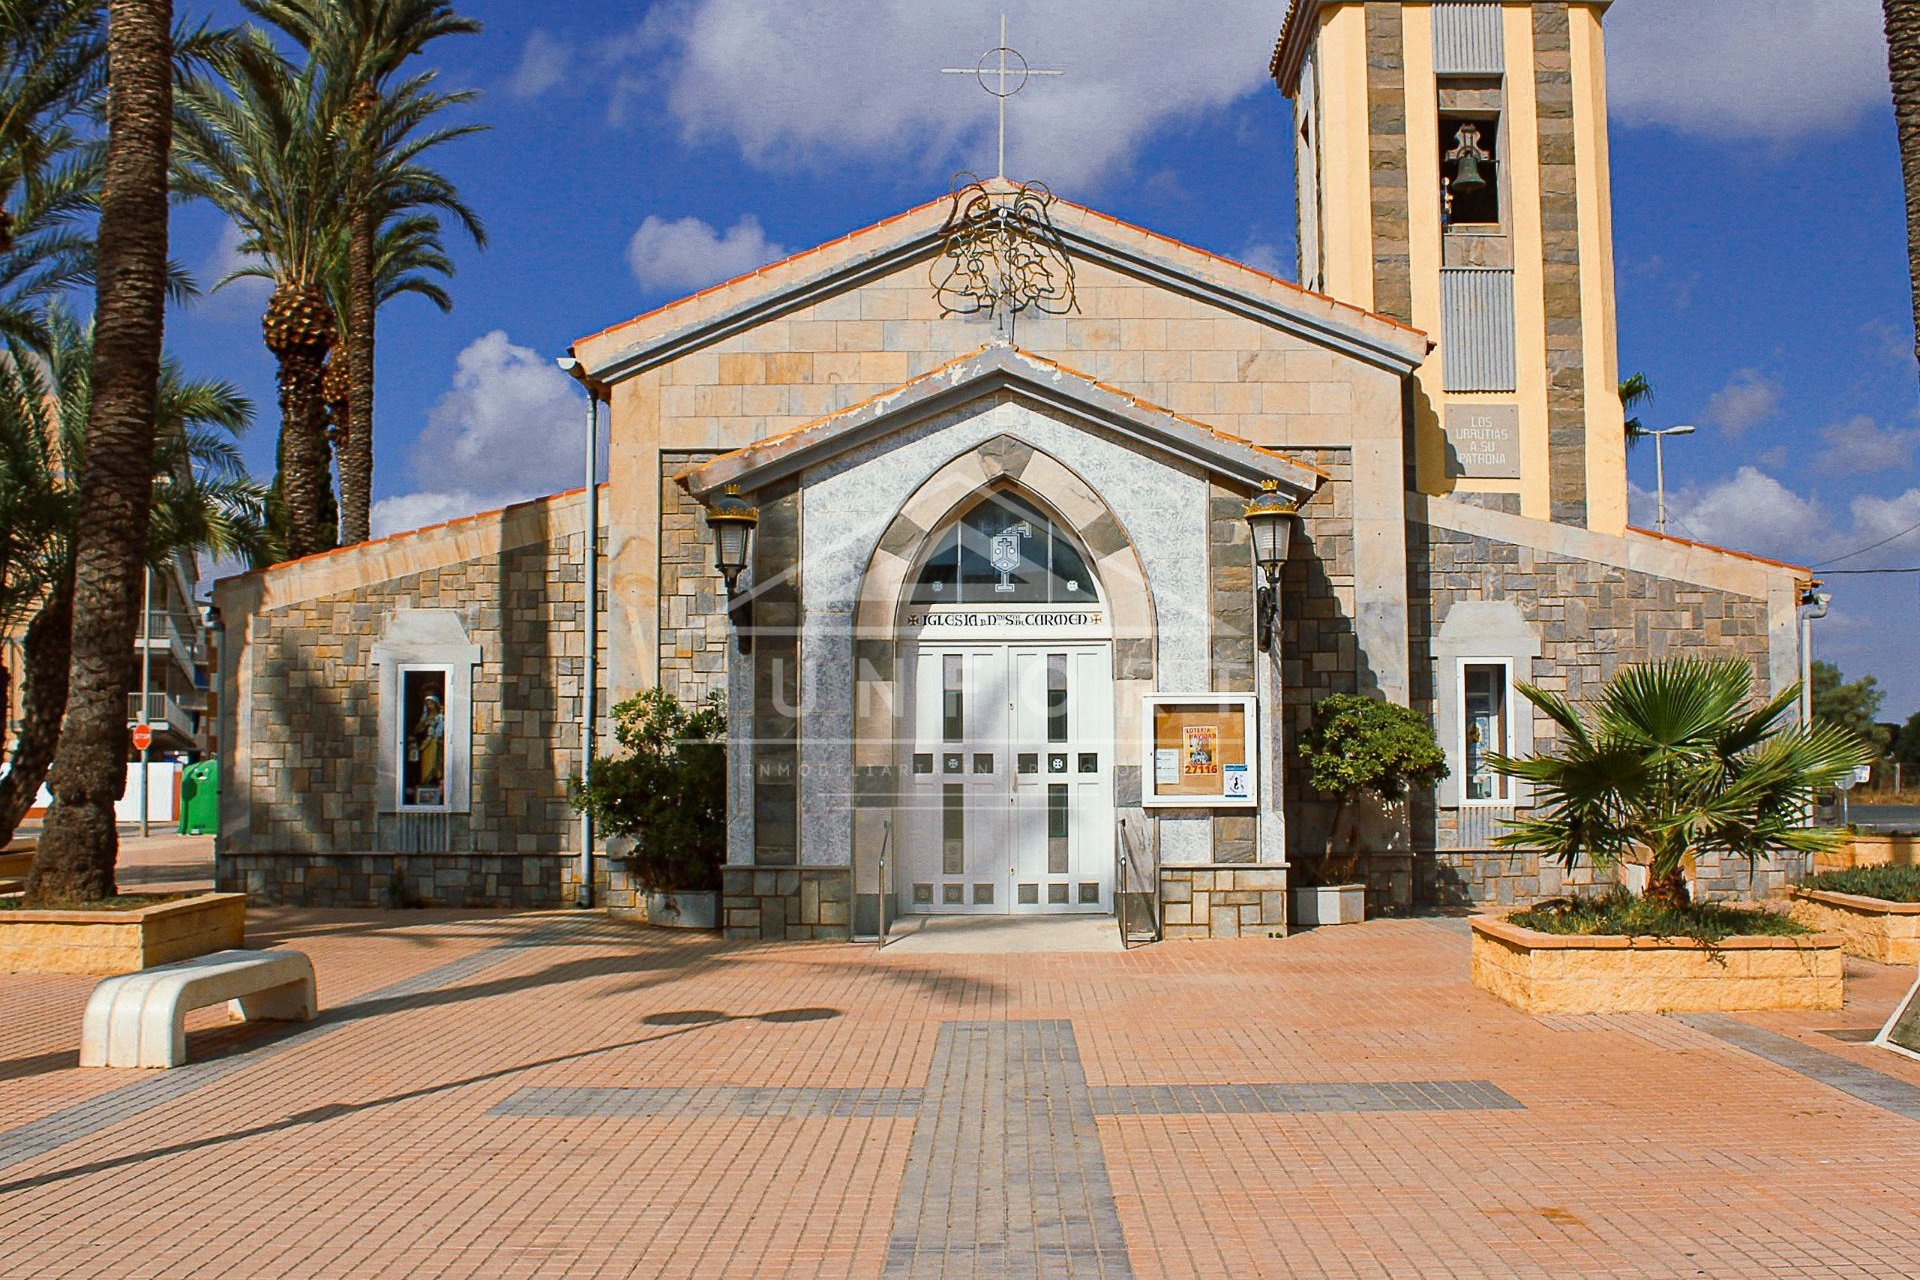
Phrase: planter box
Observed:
(1867, 849)
(101, 943)
(684, 910)
(1328, 904)
(1874, 928)
(1556, 973)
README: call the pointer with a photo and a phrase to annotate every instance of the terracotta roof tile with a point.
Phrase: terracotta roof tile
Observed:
(1800, 569)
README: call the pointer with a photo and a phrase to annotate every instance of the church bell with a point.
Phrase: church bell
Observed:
(1467, 156)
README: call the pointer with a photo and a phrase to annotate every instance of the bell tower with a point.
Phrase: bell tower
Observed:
(1451, 158)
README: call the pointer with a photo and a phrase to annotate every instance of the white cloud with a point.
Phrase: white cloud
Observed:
(508, 430)
(1871, 626)
(1748, 400)
(812, 81)
(1751, 511)
(690, 254)
(543, 64)
(1766, 69)
(1860, 446)
(246, 293)
(1268, 258)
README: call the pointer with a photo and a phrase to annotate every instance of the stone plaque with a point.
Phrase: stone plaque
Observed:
(1483, 441)
(1902, 1032)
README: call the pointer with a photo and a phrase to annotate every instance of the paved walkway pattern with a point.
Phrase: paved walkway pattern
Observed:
(546, 1095)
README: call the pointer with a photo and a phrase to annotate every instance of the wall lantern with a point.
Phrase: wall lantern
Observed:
(1270, 517)
(732, 519)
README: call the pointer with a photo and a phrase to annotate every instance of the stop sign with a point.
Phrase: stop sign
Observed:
(142, 737)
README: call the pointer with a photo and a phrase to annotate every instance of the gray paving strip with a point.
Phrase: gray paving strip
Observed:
(1886, 1092)
(1005, 1175)
(1262, 1099)
(709, 1100)
(69, 1124)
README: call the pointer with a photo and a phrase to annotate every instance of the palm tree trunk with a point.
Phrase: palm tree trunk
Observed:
(303, 451)
(1669, 887)
(1903, 61)
(43, 701)
(356, 451)
(75, 860)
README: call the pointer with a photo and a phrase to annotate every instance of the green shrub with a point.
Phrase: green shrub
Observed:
(1621, 914)
(666, 788)
(1894, 884)
(1360, 746)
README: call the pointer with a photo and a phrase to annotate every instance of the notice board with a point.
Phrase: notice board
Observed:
(1200, 750)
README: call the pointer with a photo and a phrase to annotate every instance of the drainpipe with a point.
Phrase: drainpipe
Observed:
(590, 673)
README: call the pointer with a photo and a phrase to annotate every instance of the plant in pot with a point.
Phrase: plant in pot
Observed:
(1677, 759)
(665, 790)
(1357, 748)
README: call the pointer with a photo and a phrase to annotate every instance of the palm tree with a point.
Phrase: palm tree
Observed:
(1676, 761)
(1634, 392)
(256, 140)
(80, 843)
(406, 255)
(53, 63)
(203, 501)
(382, 125)
(1903, 63)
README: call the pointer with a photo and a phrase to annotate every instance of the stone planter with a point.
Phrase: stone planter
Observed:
(1874, 928)
(1557, 973)
(101, 943)
(1870, 849)
(1327, 904)
(684, 910)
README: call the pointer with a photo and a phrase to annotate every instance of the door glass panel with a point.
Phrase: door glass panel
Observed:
(1057, 894)
(953, 829)
(953, 895)
(1004, 550)
(1057, 797)
(1089, 762)
(983, 762)
(1029, 895)
(939, 579)
(1029, 762)
(983, 895)
(923, 762)
(1089, 894)
(1056, 697)
(953, 706)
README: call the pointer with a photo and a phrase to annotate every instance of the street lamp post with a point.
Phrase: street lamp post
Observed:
(1660, 469)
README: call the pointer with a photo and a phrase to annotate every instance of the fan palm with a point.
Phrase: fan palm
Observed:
(256, 140)
(1678, 760)
(384, 124)
(80, 842)
(203, 502)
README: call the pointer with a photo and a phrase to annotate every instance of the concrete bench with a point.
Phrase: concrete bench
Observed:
(140, 1019)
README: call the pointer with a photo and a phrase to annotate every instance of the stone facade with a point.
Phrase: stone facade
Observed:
(792, 904)
(1223, 901)
(1567, 423)
(301, 782)
(693, 595)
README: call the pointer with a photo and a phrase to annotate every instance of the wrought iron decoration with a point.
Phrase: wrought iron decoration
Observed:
(1002, 254)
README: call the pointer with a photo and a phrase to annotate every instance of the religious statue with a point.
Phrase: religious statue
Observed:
(426, 744)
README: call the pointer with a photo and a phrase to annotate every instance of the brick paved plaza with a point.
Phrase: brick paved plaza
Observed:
(556, 1094)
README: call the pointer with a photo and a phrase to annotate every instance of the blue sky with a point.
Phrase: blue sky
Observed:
(638, 152)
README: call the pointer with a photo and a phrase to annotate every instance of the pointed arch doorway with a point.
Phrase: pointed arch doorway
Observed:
(1007, 796)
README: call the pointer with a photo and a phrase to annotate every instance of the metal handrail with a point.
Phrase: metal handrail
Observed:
(886, 888)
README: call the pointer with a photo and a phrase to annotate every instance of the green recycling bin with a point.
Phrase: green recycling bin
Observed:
(200, 798)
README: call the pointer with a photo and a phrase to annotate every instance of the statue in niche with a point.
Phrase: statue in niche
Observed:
(426, 751)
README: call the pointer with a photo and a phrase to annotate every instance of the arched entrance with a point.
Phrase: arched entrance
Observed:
(1006, 801)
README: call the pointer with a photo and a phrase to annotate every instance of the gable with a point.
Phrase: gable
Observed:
(998, 368)
(1103, 249)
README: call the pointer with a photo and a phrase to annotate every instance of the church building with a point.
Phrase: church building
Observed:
(1023, 542)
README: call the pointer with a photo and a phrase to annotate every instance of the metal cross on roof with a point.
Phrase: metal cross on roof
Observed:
(1009, 72)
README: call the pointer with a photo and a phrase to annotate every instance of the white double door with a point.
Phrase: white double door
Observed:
(1008, 795)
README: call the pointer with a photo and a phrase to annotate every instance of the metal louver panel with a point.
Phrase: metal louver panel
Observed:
(1467, 40)
(1477, 329)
